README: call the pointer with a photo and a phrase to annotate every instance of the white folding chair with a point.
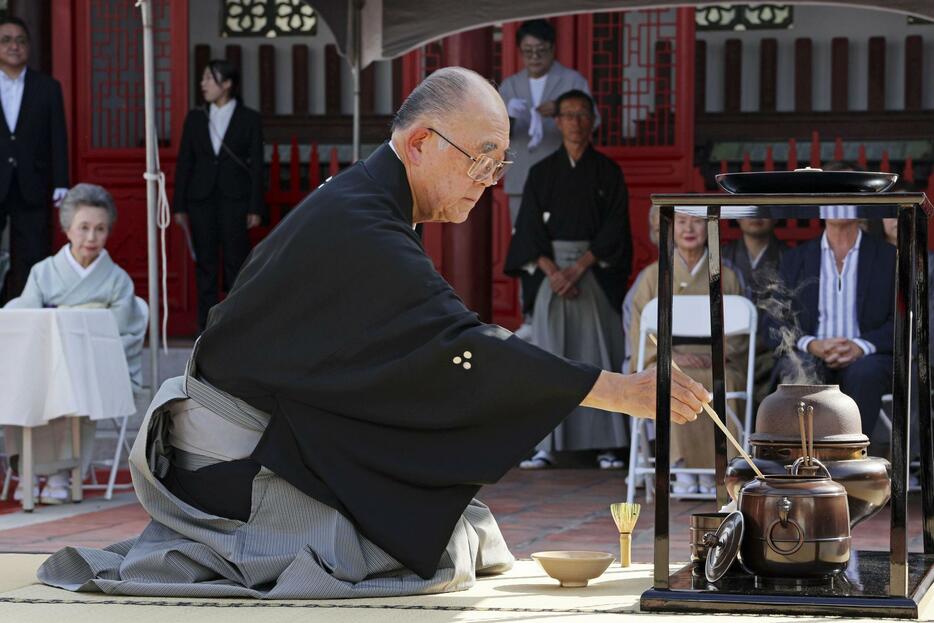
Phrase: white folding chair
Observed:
(120, 427)
(7, 470)
(691, 319)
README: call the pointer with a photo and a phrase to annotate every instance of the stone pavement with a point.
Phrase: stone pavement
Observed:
(543, 510)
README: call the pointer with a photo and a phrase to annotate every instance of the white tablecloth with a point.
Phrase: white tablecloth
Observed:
(61, 362)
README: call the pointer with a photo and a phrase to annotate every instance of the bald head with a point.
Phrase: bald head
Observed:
(448, 92)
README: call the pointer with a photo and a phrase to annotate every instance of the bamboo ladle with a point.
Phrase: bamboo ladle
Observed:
(716, 420)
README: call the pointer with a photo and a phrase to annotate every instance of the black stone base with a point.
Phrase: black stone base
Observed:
(861, 591)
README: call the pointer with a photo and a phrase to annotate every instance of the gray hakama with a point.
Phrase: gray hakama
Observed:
(586, 329)
(291, 547)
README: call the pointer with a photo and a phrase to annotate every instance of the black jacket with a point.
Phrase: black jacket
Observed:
(390, 401)
(875, 290)
(36, 151)
(239, 176)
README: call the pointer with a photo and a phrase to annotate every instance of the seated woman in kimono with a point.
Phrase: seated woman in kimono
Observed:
(81, 274)
(691, 444)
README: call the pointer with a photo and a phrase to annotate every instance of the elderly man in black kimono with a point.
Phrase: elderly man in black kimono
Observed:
(343, 407)
(573, 248)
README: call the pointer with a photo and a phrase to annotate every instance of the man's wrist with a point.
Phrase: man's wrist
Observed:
(547, 266)
(867, 347)
(805, 341)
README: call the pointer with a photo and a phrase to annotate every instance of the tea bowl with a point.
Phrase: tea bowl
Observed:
(573, 569)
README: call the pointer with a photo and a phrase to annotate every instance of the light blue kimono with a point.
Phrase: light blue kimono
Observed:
(54, 282)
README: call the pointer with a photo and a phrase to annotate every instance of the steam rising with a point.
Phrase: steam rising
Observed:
(774, 300)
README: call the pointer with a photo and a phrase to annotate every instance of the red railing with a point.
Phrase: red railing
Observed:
(805, 229)
(284, 194)
(907, 175)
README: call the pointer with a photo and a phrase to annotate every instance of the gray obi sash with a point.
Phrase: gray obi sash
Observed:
(210, 427)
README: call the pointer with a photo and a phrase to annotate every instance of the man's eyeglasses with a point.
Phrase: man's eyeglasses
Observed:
(8, 40)
(536, 52)
(484, 170)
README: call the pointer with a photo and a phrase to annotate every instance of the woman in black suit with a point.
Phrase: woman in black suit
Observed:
(219, 181)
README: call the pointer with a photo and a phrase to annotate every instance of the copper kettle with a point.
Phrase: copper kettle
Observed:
(796, 526)
(837, 442)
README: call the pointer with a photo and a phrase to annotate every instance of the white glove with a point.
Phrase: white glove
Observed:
(57, 195)
(517, 108)
(536, 130)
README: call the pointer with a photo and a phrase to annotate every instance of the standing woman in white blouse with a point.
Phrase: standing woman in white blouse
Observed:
(219, 181)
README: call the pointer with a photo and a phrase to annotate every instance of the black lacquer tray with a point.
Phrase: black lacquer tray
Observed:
(806, 181)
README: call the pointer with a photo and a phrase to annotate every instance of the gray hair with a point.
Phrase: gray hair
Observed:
(440, 94)
(86, 195)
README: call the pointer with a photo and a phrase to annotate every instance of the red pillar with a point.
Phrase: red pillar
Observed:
(467, 260)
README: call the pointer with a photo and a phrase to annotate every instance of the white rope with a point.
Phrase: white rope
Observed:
(163, 220)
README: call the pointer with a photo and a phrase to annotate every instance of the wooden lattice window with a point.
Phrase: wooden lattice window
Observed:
(633, 76)
(267, 18)
(116, 78)
(744, 17)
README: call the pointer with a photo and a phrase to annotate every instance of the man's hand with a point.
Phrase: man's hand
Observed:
(517, 108)
(556, 279)
(835, 352)
(635, 394)
(560, 284)
(574, 272)
(57, 195)
(547, 109)
(692, 360)
(822, 348)
(843, 354)
(253, 220)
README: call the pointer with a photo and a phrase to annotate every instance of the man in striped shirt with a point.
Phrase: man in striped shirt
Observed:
(840, 294)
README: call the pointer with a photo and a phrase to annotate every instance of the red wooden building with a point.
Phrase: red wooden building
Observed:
(680, 98)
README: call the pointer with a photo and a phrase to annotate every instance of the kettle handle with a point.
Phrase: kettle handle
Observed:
(775, 548)
(801, 460)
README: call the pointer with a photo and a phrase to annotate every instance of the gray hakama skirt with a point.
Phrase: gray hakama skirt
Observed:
(291, 547)
(584, 329)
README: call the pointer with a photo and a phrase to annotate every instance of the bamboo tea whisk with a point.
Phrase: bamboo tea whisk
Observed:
(625, 516)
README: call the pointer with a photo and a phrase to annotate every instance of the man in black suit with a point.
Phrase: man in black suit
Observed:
(33, 153)
(841, 293)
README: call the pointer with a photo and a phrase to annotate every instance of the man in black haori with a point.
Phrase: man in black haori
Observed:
(574, 246)
(343, 407)
(756, 257)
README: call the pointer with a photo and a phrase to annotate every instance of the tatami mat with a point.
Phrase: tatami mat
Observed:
(523, 594)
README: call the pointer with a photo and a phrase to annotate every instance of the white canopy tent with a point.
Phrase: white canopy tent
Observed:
(393, 27)
(370, 30)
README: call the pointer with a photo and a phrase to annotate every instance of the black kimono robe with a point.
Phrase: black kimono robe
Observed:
(588, 201)
(390, 401)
